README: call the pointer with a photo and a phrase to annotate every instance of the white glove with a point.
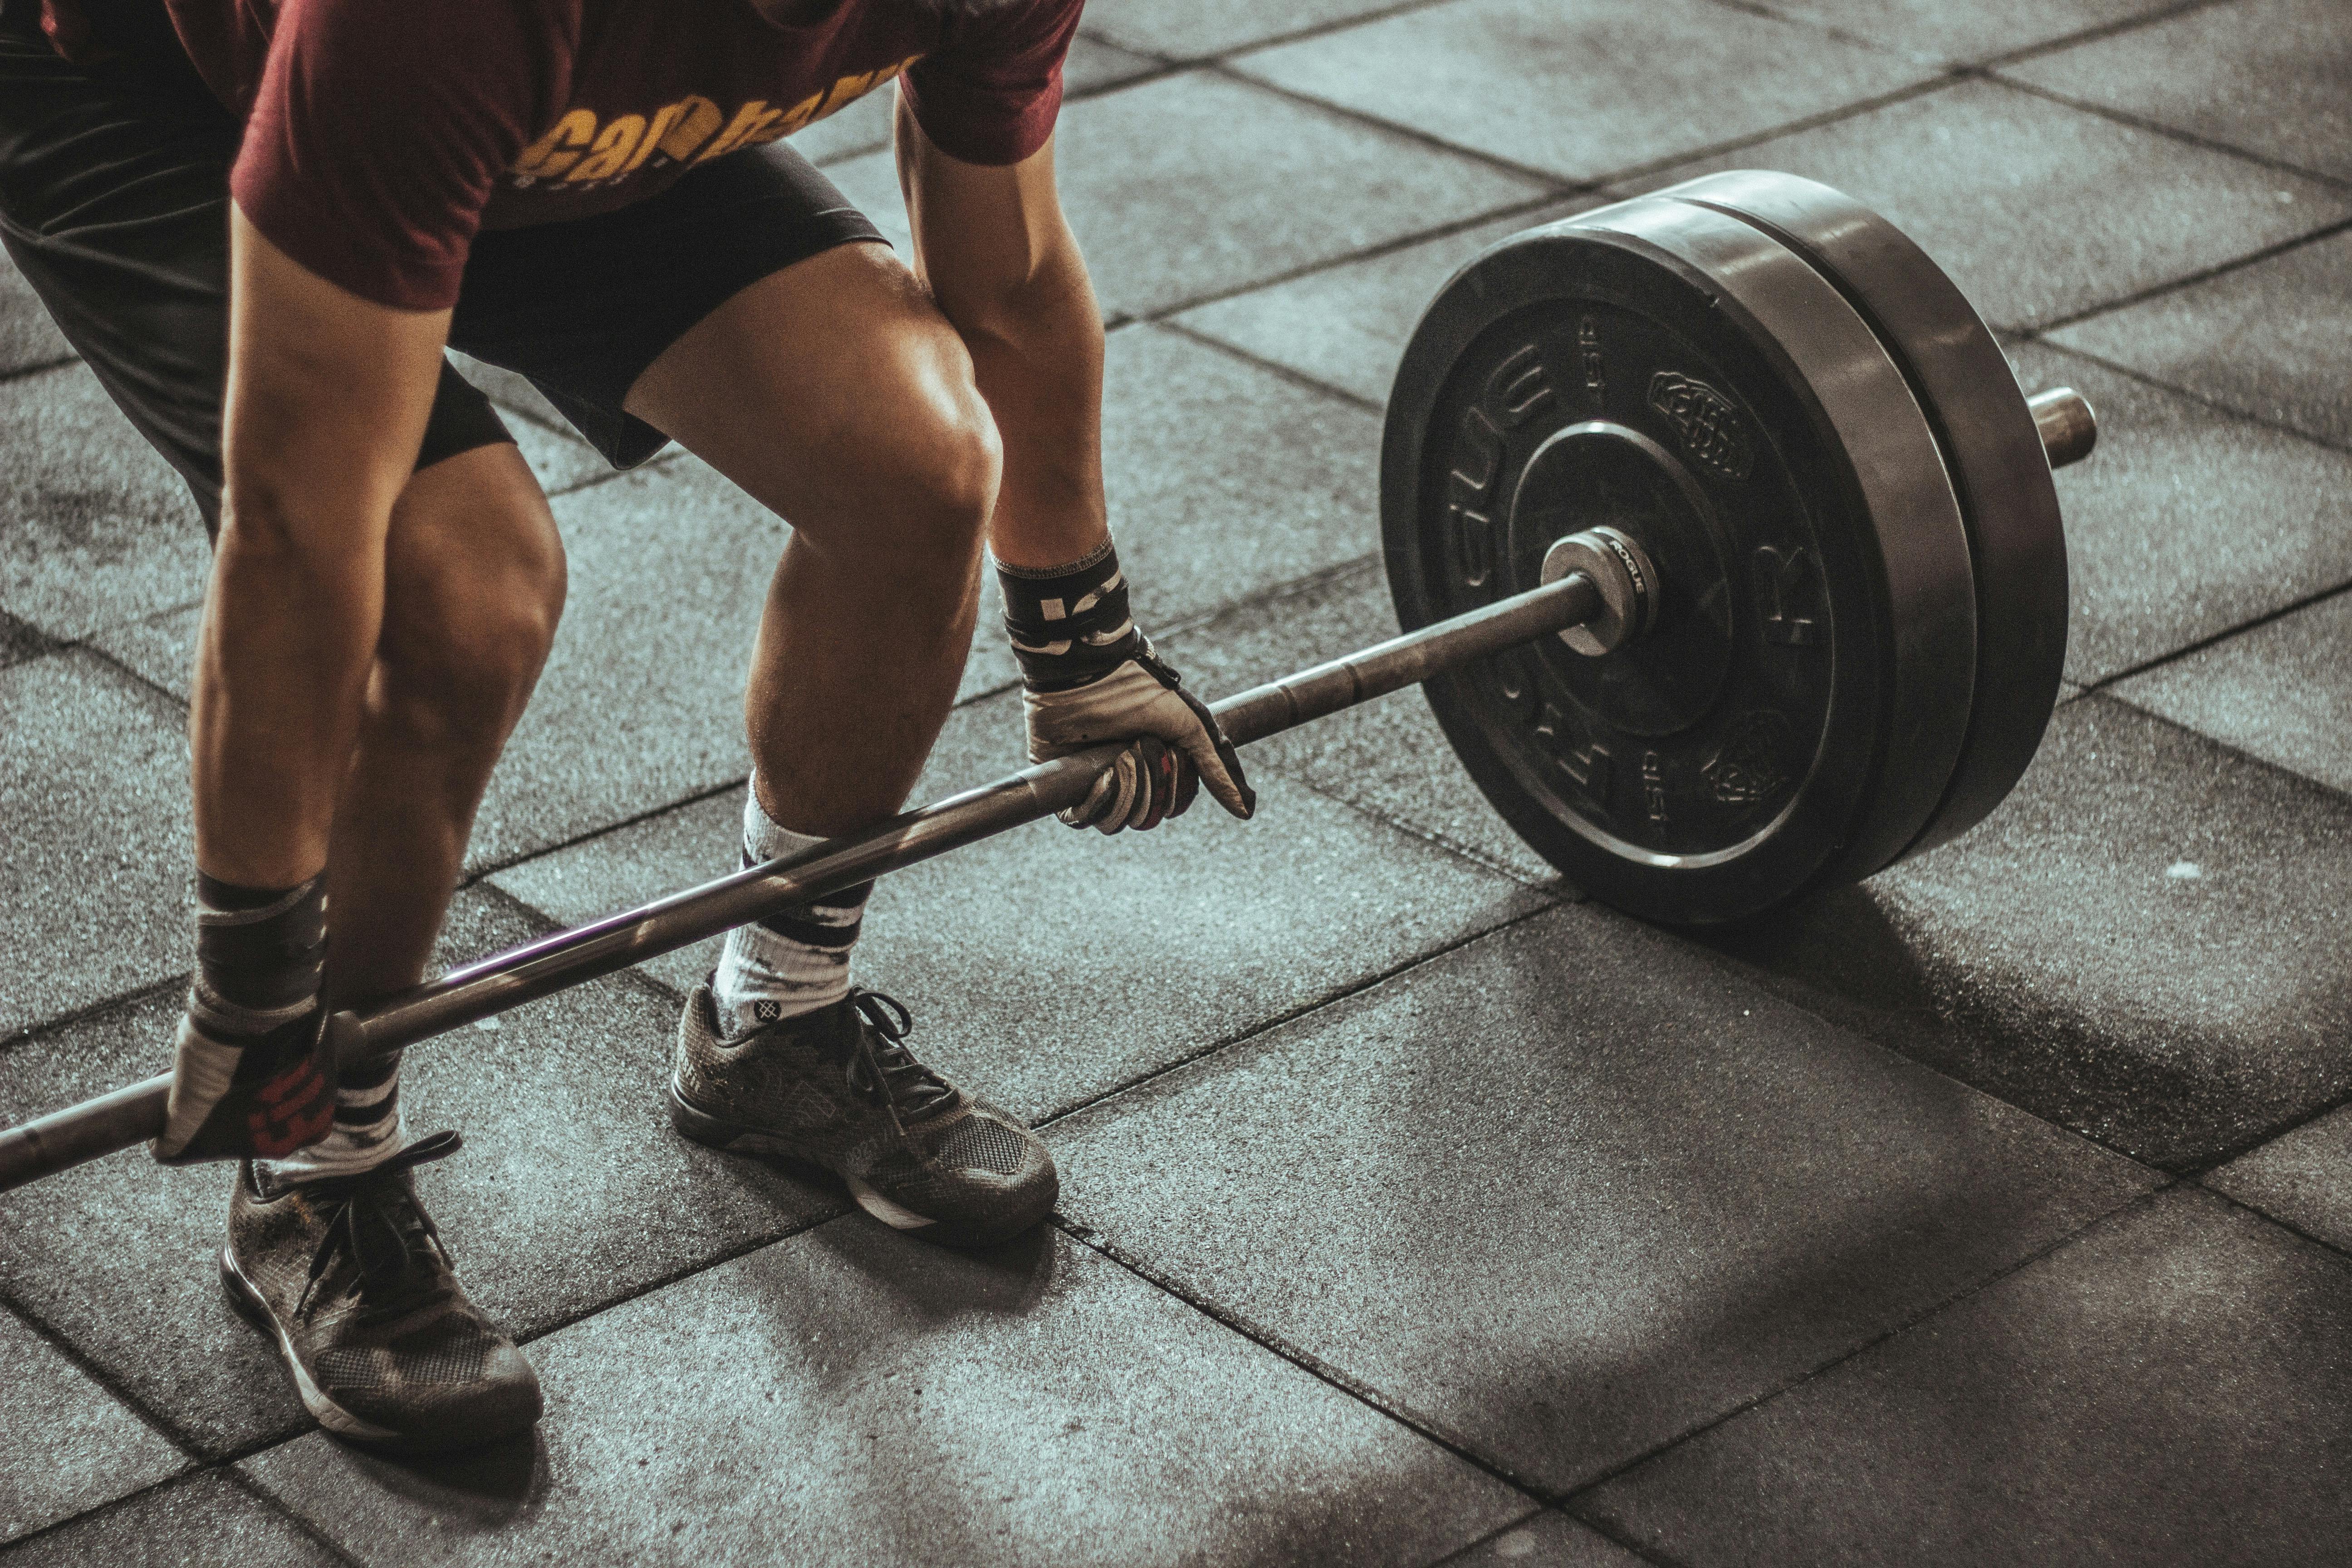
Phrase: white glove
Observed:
(1179, 745)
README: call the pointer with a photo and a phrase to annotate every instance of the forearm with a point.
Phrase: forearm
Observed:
(287, 642)
(326, 403)
(1038, 360)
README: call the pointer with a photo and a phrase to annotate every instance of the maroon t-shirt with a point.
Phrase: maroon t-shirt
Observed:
(382, 135)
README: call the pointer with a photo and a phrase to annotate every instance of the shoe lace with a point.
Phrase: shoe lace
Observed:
(881, 1067)
(378, 1222)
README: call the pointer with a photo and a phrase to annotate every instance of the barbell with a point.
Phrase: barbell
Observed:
(1726, 548)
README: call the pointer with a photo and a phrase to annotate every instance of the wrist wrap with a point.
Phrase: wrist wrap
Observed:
(1069, 624)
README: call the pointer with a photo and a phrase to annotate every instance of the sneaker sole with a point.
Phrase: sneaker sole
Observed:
(731, 1138)
(250, 1305)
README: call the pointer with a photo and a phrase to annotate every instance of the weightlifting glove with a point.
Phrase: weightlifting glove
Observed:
(1088, 676)
(254, 1065)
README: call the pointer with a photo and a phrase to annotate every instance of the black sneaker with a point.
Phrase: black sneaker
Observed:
(350, 1275)
(837, 1087)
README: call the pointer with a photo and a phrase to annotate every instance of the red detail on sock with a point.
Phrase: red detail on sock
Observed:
(292, 1110)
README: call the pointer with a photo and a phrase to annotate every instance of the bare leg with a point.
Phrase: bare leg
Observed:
(838, 396)
(474, 583)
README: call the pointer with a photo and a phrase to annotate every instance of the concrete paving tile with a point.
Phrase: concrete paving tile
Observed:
(160, 647)
(207, 1518)
(19, 642)
(851, 1396)
(2159, 551)
(94, 528)
(70, 1444)
(2303, 1177)
(2272, 77)
(27, 336)
(1933, 29)
(1190, 185)
(94, 865)
(1225, 478)
(1194, 29)
(1571, 1191)
(1388, 756)
(572, 1192)
(2270, 339)
(1020, 955)
(642, 699)
(1588, 91)
(1547, 1541)
(2170, 1388)
(2144, 943)
(2038, 210)
(1346, 326)
(2282, 692)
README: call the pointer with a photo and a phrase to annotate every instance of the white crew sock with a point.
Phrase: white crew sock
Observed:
(368, 1130)
(795, 960)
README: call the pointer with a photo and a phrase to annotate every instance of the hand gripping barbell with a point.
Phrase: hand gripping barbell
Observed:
(1729, 554)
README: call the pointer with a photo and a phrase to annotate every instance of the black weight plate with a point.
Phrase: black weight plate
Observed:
(1793, 718)
(1994, 453)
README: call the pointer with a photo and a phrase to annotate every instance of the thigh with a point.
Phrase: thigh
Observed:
(114, 206)
(834, 393)
(582, 308)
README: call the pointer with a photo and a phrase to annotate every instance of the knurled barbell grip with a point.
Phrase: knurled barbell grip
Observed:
(131, 1115)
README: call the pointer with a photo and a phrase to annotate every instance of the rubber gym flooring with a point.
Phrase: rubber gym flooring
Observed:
(1996, 1211)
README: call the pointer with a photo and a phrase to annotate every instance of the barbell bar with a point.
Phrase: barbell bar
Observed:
(1599, 591)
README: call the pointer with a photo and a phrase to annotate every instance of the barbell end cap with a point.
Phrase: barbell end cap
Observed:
(2068, 426)
(1620, 570)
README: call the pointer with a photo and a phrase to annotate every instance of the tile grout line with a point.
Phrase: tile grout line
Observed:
(108, 1382)
(2037, 338)
(1343, 992)
(1580, 1497)
(2103, 685)
(2130, 120)
(2265, 1217)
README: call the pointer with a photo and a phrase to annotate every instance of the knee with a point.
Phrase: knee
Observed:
(458, 663)
(940, 474)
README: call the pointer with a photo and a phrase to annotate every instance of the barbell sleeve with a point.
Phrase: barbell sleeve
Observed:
(131, 1115)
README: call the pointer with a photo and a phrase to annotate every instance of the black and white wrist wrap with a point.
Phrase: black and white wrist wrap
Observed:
(1088, 676)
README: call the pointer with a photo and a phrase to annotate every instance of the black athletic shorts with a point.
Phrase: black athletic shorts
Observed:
(114, 204)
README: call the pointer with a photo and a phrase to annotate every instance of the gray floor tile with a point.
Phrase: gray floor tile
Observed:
(2274, 76)
(642, 700)
(571, 1191)
(2038, 210)
(1346, 326)
(1935, 29)
(2304, 1177)
(69, 1444)
(1386, 756)
(1190, 185)
(94, 864)
(1573, 1189)
(1548, 1541)
(1225, 478)
(94, 527)
(28, 337)
(2271, 339)
(2282, 692)
(2144, 943)
(207, 1518)
(1588, 91)
(854, 1396)
(1024, 956)
(1192, 29)
(161, 648)
(19, 642)
(2159, 551)
(2170, 1388)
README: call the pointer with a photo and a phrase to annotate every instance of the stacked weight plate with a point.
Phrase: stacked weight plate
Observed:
(1821, 449)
